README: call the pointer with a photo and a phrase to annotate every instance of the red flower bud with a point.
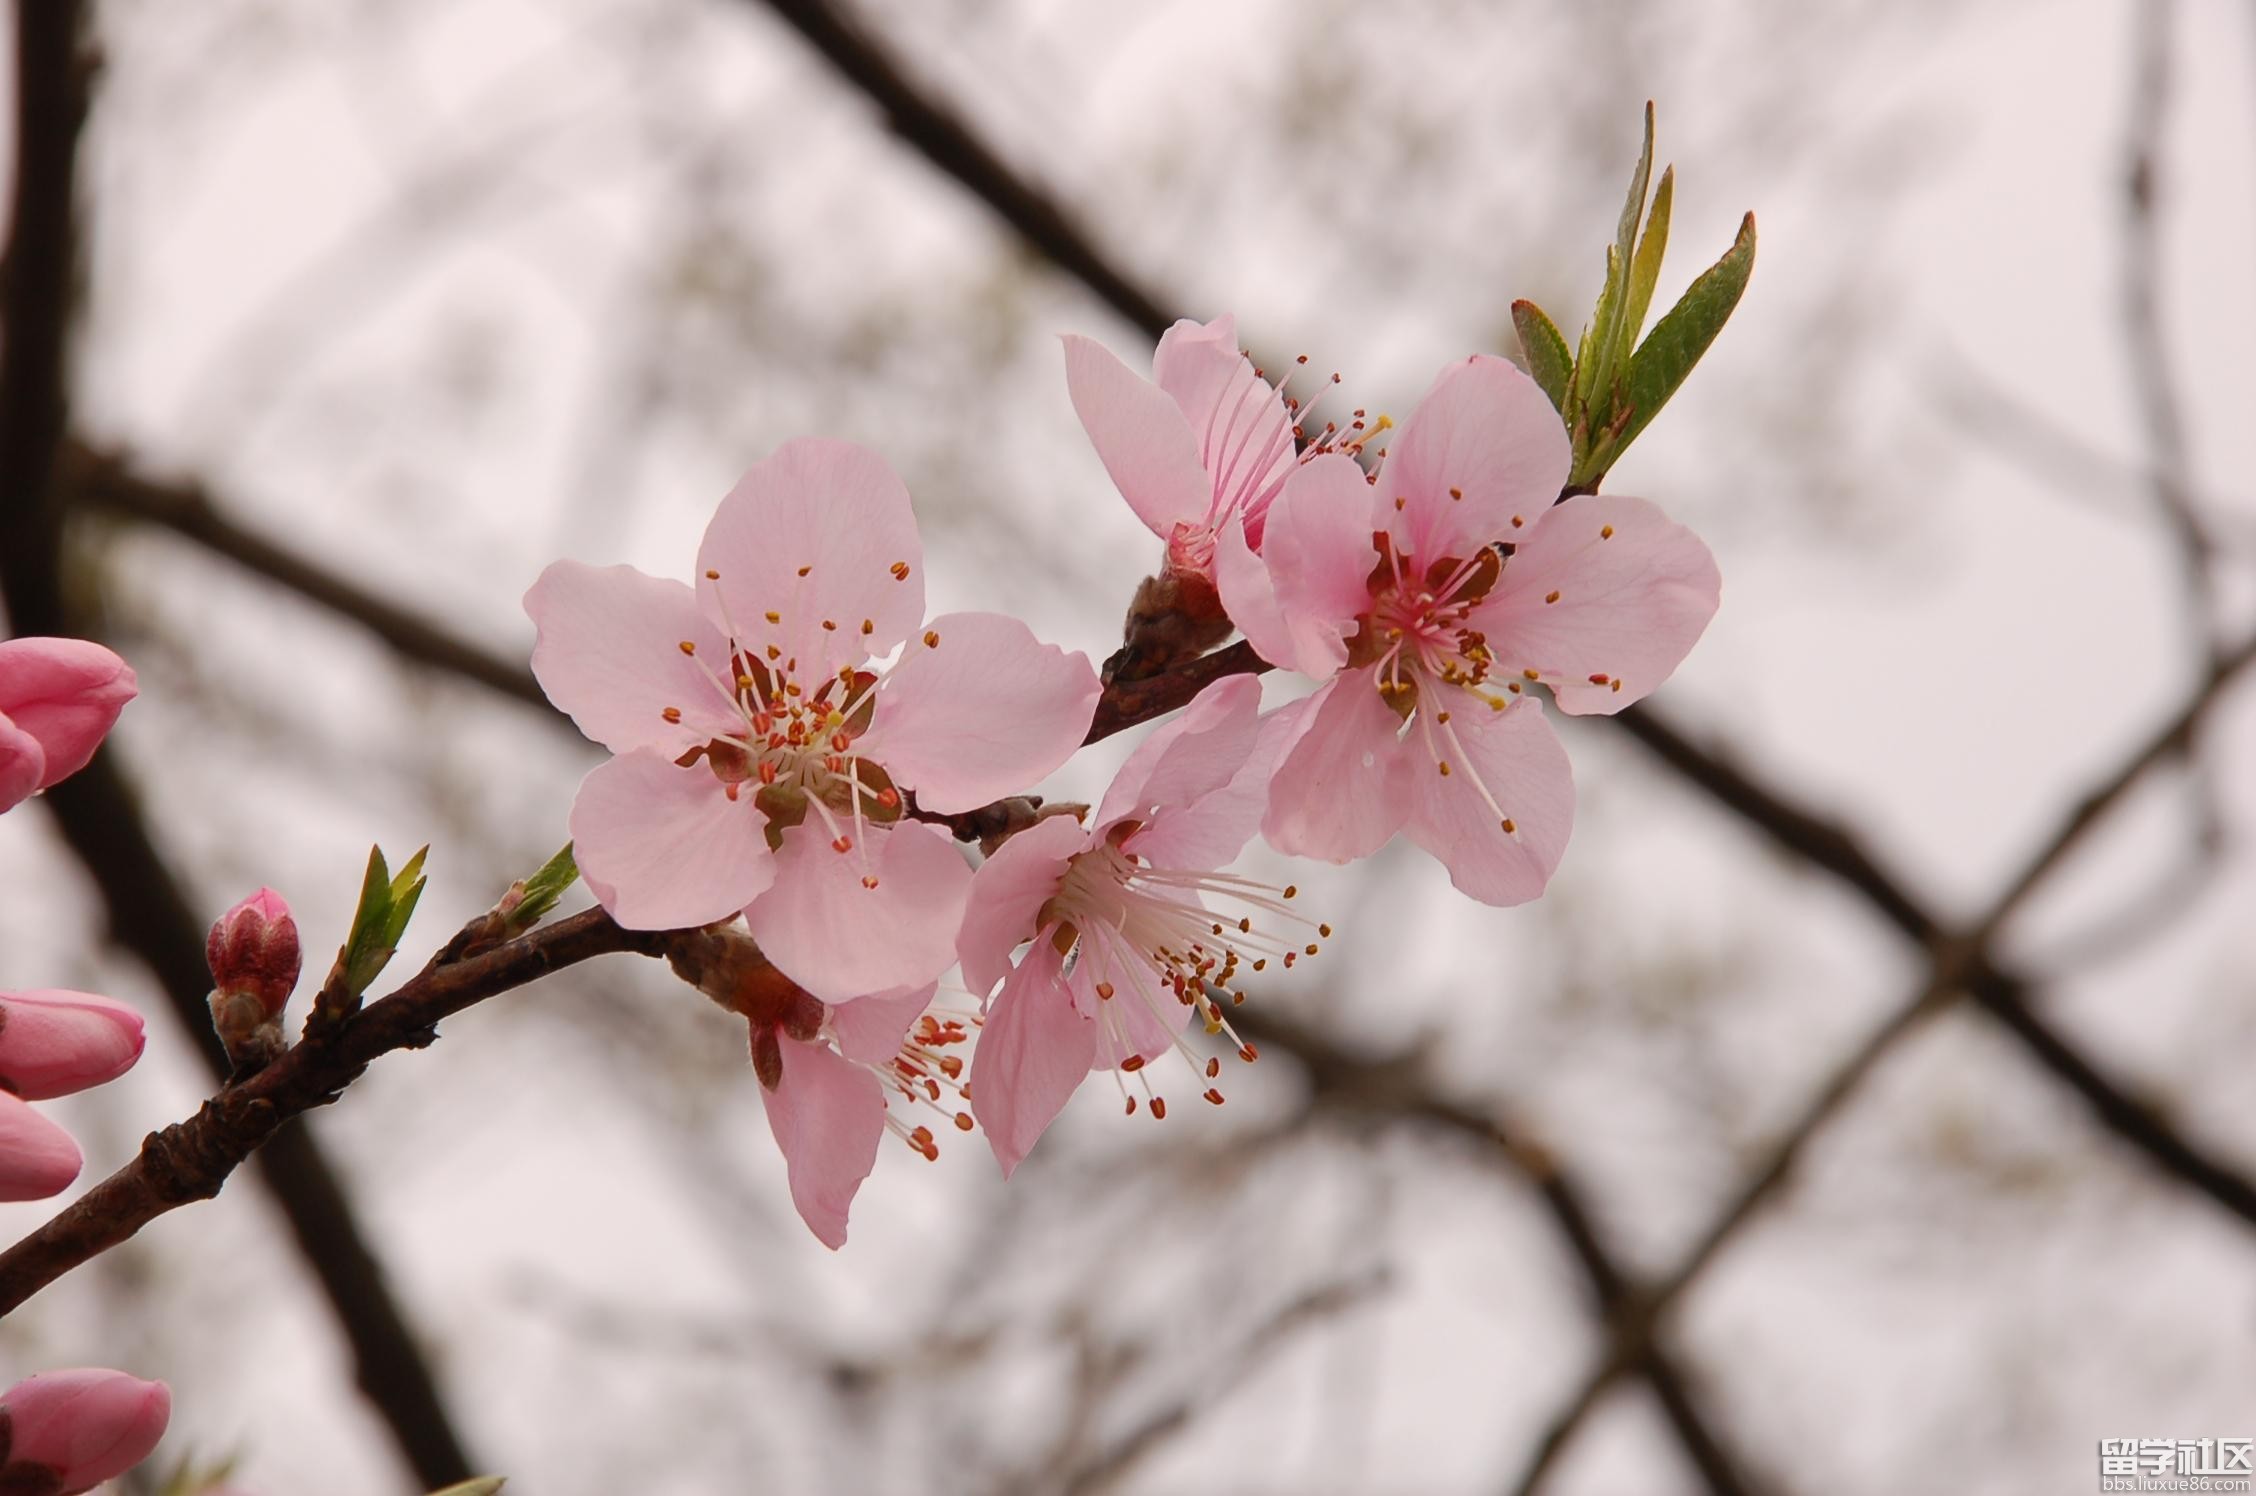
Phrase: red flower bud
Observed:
(253, 949)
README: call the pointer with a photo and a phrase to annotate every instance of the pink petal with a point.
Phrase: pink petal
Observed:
(37, 1158)
(1141, 1017)
(871, 1028)
(1191, 755)
(88, 1425)
(1147, 446)
(1342, 790)
(1244, 431)
(1516, 755)
(985, 711)
(664, 848)
(1249, 597)
(67, 693)
(828, 1115)
(54, 1042)
(608, 653)
(1034, 1050)
(1210, 831)
(820, 532)
(1007, 894)
(1486, 430)
(23, 764)
(1631, 605)
(1320, 555)
(836, 937)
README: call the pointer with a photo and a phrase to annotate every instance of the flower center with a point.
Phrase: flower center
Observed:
(796, 744)
(1113, 912)
(1416, 629)
(921, 1074)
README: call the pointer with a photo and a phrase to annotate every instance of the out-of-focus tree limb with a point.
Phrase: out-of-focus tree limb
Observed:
(1962, 966)
(2154, 380)
(148, 913)
(935, 131)
(192, 1159)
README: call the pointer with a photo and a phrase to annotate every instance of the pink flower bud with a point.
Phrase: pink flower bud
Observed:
(58, 700)
(86, 1426)
(53, 1042)
(253, 949)
(37, 1158)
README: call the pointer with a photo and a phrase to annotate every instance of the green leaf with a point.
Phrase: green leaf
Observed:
(544, 888)
(387, 901)
(1645, 269)
(1546, 350)
(1678, 340)
(484, 1485)
(1590, 381)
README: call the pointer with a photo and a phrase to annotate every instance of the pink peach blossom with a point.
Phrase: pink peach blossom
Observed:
(54, 1042)
(58, 700)
(1394, 590)
(1203, 445)
(760, 765)
(81, 1427)
(1125, 948)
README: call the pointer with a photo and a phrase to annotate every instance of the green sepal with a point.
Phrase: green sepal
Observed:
(1549, 360)
(1645, 268)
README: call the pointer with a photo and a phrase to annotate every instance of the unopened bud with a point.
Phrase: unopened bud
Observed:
(254, 956)
(68, 1431)
(54, 1042)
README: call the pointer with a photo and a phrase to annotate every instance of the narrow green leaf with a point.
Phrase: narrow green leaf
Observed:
(406, 889)
(1545, 348)
(484, 1485)
(1645, 270)
(1625, 233)
(1678, 340)
(375, 895)
(1591, 375)
(544, 888)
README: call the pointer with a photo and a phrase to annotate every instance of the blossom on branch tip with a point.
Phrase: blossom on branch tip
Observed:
(58, 700)
(834, 1077)
(1125, 948)
(65, 1432)
(763, 760)
(55, 1042)
(1427, 596)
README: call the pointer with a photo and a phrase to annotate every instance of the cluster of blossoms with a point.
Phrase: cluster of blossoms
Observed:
(62, 1431)
(790, 735)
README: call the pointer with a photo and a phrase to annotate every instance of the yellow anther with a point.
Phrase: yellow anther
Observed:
(810, 566)
(1509, 828)
(1518, 522)
(1606, 532)
(688, 648)
(712, 576)
(775, 617)
(1551, 597)
(671, 714)
(931, 638)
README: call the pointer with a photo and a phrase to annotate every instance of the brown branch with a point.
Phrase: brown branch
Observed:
(192, 1159)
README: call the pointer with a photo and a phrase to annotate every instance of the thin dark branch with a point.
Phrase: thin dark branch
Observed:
(1962, 965)
(1397, 1087)
(2154, 377)
(192, 1159)
(936, 132)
